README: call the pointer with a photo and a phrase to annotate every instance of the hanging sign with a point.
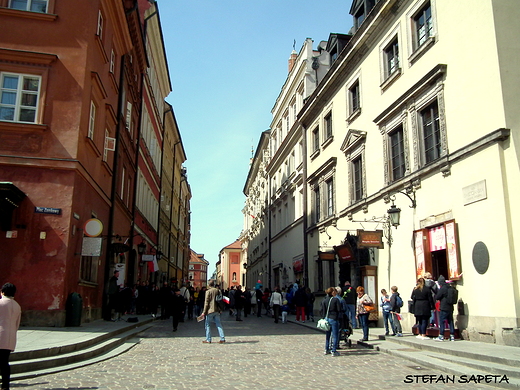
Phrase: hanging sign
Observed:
(370, 239)
(345, 253)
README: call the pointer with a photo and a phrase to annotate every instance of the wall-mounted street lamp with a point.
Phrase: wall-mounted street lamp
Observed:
(141, 248)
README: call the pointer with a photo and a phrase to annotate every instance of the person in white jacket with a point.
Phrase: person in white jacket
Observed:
(10, 314)
(276, 302)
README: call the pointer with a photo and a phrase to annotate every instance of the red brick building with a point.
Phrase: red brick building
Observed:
(73, 149)
(198, 270)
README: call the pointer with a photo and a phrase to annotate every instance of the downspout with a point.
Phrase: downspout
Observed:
(305, 218)
(110, 227)
(171, 206)
(269, 246)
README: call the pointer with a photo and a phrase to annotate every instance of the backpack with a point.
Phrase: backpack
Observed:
(220, 301)
(399, 301)
(453, 295)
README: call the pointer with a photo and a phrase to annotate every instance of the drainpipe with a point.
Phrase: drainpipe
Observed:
(108, 259)
(305, 219)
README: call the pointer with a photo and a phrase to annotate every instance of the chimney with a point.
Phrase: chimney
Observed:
(292, 60)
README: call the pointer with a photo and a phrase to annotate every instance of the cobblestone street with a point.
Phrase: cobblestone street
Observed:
(258, 354)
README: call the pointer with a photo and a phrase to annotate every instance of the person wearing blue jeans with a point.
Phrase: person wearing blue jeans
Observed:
(363, 301)
(214, 317)
(349, 296)
(212, 313)
(330, 309)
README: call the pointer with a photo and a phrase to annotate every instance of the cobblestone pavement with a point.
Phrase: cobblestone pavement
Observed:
(258, 354)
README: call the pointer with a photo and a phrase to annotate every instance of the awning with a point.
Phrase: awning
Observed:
(10, 199)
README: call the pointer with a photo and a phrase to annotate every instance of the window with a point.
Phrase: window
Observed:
(397, 154)
(88, 270)
(328, 126)
(29, 5)
(92, 121)
(316, 139)
(106, 149)
(391, 55)
(99, 30)
(357, 175)
(19, 97)
(330, 197)
(112, 61)
(128, 119)
(423, 25)
(354, 100)
(431, 133)
(362, 9)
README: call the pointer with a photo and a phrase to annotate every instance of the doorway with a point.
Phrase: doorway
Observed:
(439, 264)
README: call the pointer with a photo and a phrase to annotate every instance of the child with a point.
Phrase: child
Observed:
(285, 310)
(387, 316)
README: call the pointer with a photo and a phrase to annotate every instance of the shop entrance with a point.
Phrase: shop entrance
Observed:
(439, 264)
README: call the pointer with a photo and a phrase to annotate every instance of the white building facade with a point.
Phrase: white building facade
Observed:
(418, 112)
(425, 116)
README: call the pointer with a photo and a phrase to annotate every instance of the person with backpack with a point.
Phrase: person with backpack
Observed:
(386, 308)
(396, 302)
(447, 296)
(212, 312)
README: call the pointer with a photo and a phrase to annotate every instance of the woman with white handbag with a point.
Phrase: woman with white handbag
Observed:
(330, 309)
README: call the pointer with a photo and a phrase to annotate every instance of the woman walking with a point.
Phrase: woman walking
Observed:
(423, 305)
(330, 309)
(362, 313)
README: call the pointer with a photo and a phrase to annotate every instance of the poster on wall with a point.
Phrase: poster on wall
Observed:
(419, 254)
(452, 251)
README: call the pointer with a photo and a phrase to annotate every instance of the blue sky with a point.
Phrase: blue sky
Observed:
(228, 62)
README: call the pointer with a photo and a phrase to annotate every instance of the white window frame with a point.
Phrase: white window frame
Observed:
(112, 61)
(99, 29)
(416, 48)
(92, 120)
(19, 92)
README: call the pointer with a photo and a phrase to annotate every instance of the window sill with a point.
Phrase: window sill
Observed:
(354, 115)
(390, 79)
(327, 142)
(418, 53)
(28, 14)
(315, 154)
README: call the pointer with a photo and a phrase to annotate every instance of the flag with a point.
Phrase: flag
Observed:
(153, 266)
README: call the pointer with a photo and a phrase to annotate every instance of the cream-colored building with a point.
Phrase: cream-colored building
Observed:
(273, 214)
(418, 112)
(425, 115)
(171, 219)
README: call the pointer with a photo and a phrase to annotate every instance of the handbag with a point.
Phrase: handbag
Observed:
(369, 307)
(323, 324)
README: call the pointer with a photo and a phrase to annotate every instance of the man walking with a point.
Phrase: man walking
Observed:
(10, 314)
(212, 313)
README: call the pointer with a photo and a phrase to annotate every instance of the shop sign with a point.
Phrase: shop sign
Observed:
(327, 256)
(370, 239)
(298, 265)
(344, 252)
